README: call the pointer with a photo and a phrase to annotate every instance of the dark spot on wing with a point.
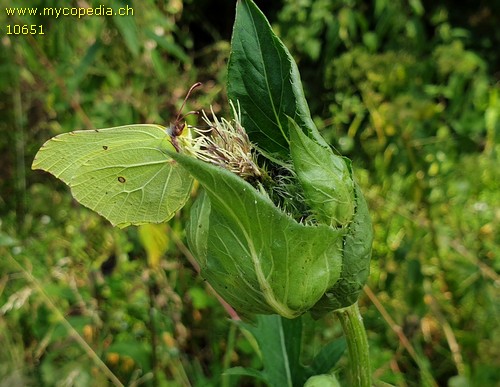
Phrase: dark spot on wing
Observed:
(105, 147)
(121, 179)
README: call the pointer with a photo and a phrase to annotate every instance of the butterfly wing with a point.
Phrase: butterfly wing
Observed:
(122, 173)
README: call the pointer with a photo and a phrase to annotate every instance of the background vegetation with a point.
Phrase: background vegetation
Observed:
(407, 89)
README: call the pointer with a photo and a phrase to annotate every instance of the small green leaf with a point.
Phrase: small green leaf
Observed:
(355, 263)
(122, 173)
(242, 371)
(127, 27)
(328, 356)
(242, 241)
(264, 79)
(325, 178)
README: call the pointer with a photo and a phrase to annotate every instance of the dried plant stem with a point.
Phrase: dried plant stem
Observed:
(426, 375)
(447, 329)
(72, 331)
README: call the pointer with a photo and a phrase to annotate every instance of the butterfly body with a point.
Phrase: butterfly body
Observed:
(174, 131)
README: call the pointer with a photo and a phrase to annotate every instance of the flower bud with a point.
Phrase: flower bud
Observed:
(325, 178)
(260, 258)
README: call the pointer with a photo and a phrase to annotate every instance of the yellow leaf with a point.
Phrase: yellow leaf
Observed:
(155, 241)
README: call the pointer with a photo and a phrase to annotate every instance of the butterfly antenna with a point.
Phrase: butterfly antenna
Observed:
(178, 118)
(187, 114)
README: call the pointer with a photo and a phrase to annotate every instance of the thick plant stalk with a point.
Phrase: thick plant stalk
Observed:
(357, 345)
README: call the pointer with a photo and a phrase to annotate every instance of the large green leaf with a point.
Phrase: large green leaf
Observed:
(280, 344)
(273, 340)
(264, 78)
(123, 173)
(242, 241)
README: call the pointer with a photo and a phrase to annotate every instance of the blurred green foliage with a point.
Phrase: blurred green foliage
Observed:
(405, 89)
(396, 88)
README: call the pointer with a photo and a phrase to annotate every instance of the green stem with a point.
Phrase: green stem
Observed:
(152, 330)
(357, 345)
(227, 356)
